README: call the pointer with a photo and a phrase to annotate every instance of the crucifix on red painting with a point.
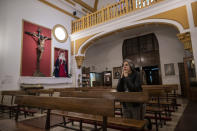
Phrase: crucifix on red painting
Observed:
(40, 40)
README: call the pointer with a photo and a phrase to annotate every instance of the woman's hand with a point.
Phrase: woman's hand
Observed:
(122, 74)
(126, 73)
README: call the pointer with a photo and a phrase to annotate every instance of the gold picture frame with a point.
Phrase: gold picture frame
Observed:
(117, 72)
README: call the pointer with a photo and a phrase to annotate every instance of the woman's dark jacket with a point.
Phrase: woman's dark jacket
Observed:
(132, 83)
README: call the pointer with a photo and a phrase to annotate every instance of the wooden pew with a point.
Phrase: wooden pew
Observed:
(170, 91)
(114, 122)
(102, 88)
(85, 89)
(7, 100)
(167, 87)
(157, 109)
(64, 89)
(94, 106)
(137, 97)
(39, 92)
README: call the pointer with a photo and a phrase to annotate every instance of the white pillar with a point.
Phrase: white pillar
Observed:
(193, 32)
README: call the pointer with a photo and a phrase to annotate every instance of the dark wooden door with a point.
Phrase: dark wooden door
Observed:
(152, 75)
(144, 52)
(182, 79)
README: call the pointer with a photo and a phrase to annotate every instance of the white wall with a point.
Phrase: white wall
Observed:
(2, 32)
(104, 55)
(171, 51)
(109, 53)
(12, 12)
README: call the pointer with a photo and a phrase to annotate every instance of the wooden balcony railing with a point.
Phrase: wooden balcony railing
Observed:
(110, 12)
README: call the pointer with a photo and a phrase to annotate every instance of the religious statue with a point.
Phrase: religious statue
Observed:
(40, 48)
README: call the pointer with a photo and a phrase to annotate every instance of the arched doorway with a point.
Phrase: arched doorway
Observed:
(144, 52)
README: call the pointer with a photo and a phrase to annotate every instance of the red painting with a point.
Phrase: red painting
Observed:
(60, 63)
(36, 50)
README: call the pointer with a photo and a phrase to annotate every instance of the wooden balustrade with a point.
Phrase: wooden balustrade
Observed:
(110, 12)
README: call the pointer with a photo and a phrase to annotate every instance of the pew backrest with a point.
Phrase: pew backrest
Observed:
(7, 97)
(155, 92)
(64, 89)
(137, 97)
(166, 87)
(40, 92)
(94, 106)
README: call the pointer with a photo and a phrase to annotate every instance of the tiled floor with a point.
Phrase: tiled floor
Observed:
(170, 126)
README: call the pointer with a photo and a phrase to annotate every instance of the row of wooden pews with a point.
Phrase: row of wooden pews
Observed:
(162, 103)
(115, 122)
(90, 107)
(76, 104)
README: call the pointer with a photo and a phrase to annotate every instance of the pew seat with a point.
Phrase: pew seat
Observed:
(113, 122)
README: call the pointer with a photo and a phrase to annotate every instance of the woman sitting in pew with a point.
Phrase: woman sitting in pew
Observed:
(130, 82)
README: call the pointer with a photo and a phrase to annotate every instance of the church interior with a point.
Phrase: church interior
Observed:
(68, 60)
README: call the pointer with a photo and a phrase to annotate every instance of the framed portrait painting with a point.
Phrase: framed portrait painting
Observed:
(60, 63)
(169, 69)
(117, 72)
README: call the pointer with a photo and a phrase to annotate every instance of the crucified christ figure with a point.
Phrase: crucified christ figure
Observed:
(40, 48)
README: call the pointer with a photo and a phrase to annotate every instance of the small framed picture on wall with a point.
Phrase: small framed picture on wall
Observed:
(116, 72)
(169, 69)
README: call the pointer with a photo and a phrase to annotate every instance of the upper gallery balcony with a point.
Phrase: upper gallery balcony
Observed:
(110, 12)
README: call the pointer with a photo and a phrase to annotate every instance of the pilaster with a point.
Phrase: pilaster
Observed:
(185, 38)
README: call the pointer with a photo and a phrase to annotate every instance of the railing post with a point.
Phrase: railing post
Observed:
(130, 5)
(142, 4)
(134, 4)
(88, 21)
(115, 11)
(120, 8)
(93, 19)
(127, 5)
(80, 24)
(103, 15)
(77, 25)
(108, 13)
(72, 26)
(84, 23)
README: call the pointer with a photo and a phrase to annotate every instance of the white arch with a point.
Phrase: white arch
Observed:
(162, 21)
